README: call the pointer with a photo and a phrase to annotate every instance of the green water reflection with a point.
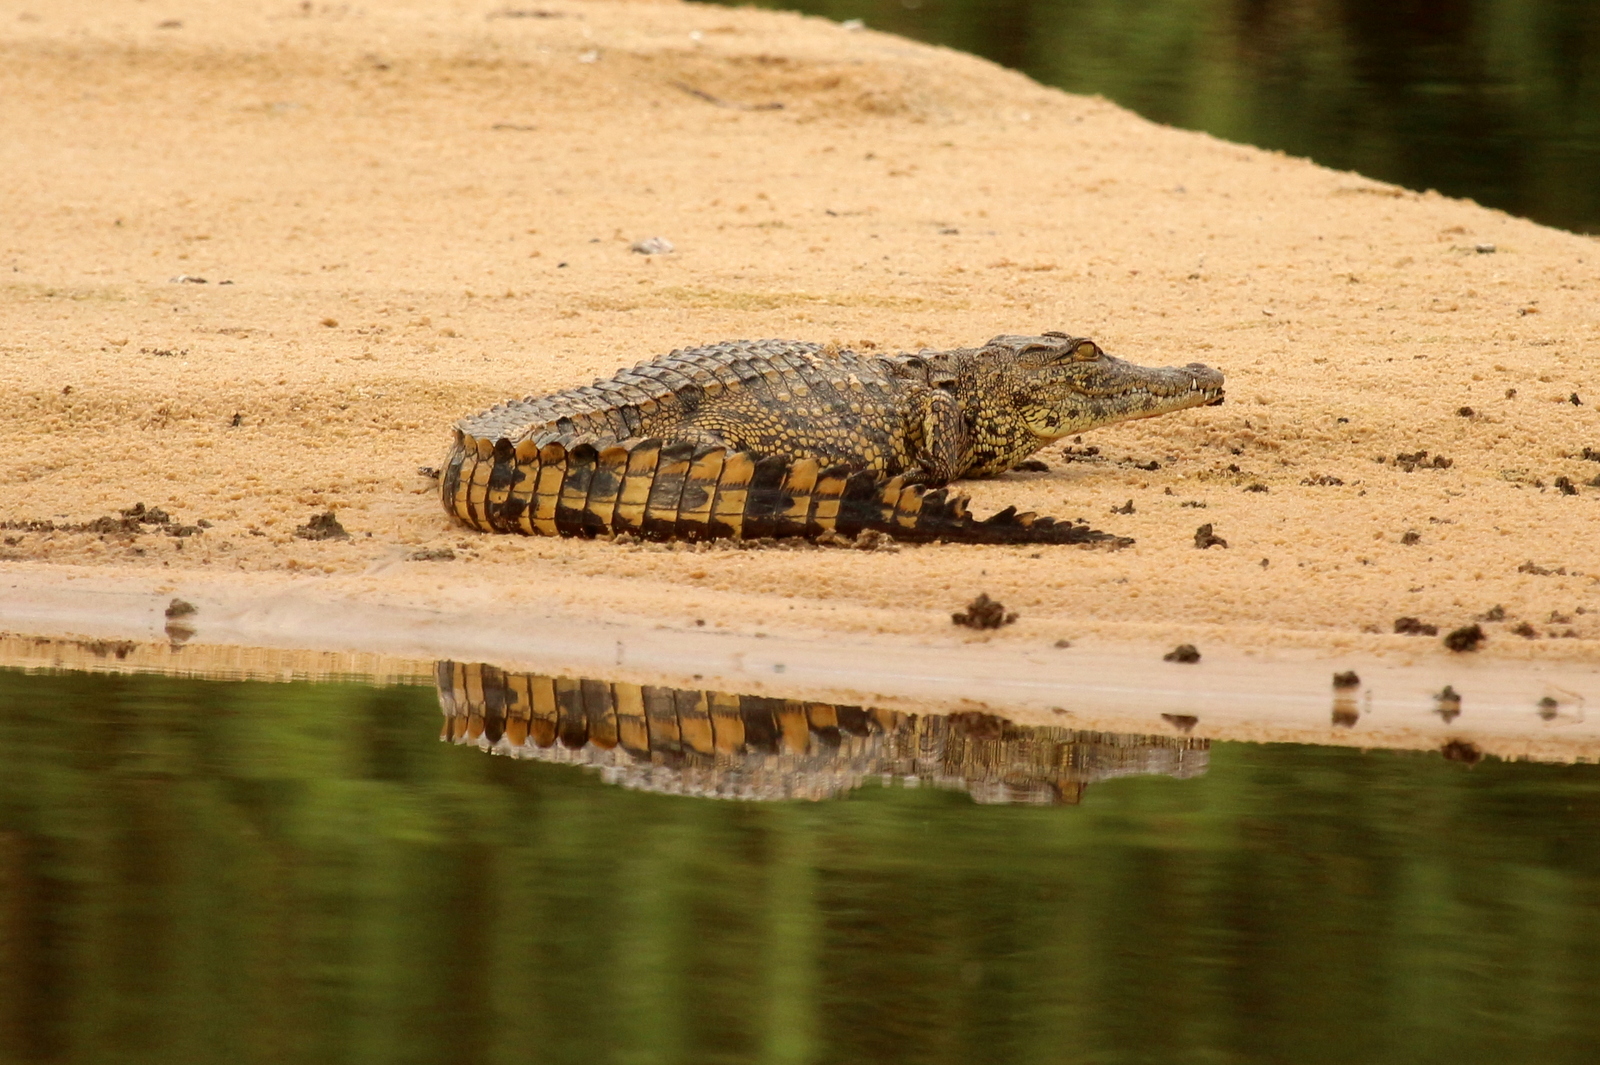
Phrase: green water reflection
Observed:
(197, 871)
(1497, 100)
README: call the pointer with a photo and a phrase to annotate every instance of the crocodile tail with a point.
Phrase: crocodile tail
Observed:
(681, 491)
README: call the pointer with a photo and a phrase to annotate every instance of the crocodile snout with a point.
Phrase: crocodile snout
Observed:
(1203, 378)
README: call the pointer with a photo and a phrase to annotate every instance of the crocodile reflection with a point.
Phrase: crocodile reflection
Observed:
(722, 745)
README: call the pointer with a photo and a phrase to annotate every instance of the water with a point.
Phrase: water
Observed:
(1496, 100)
(199, 871)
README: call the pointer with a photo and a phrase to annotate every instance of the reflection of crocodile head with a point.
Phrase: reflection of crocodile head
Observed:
(719, 745)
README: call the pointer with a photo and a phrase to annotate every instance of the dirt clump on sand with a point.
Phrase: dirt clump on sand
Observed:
(258, 263)
(984, 613)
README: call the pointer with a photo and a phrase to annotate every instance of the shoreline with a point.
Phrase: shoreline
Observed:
(1233, 693)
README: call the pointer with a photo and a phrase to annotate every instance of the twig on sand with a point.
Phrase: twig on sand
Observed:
(720, 102)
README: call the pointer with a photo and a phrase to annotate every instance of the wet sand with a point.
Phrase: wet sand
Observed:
(1343, 697)
(405, 212)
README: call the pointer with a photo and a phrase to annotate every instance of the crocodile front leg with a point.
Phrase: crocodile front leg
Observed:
(940, 442)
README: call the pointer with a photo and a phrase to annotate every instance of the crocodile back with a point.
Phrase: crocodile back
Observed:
(739, 386)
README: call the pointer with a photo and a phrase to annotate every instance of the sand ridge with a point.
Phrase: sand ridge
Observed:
(426, 207)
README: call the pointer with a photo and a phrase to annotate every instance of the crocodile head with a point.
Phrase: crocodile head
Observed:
(1022, 392)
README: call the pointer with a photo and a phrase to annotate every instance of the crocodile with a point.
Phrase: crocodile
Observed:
(779, 438)
(716, 744)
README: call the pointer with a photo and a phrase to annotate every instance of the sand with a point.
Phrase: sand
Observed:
(404, 212)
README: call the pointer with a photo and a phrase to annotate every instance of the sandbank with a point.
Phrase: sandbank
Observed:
(260, 255)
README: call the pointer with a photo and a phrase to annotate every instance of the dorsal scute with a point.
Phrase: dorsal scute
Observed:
(933, 368)
(684, 379)
(678, 380)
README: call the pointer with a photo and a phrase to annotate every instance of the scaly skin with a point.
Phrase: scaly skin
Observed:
(748, 439)
(693, 742)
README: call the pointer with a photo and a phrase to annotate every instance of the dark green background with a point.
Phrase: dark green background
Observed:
(205, 872)
(1496, 100)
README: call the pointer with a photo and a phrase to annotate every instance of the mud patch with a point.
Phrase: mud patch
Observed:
(983, 613)
(322, 526)
(1466, 638)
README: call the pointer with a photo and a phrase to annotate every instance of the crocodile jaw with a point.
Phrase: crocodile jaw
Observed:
(1117, 391)
(1170, 388)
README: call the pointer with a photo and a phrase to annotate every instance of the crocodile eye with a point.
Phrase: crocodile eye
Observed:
(1088, 351)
